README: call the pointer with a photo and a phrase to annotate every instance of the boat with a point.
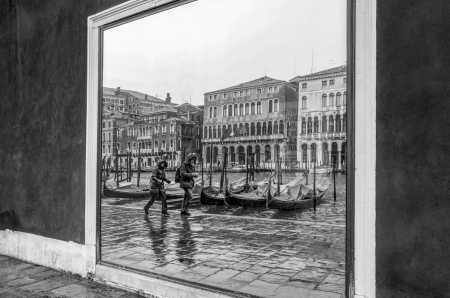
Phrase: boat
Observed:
(296, 195)
(129, 192)
(211, 195)
(238, 169)
(252, 195)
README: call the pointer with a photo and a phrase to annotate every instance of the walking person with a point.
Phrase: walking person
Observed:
(157, 187)
(187, 173)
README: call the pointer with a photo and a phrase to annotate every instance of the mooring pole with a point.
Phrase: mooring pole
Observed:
(314, 187)
(278, 170)
(139, 165)
(210, 164)
(117, 168)
(334, 181)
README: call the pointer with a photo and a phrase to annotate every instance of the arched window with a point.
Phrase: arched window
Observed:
(269, 128)
(241, 109)
(324, 100)
(210, 133)
(325, 154)
(304, 153)
(331, 123)
(252, 129)
(208, 154)
(270, 106)
(267, 153)
(210, 112)
(313, 152)
(214, 132)
(303, 126)
(247, 129)
(235, 130)
(338, 99)
(252, 109)
(219, 132)
(235, 113)
(275, 105)
(215, 112)
(316, 124)
(224, 114)
(257, 155)
(344, 99)
(331, 100)
(304, 103)
(258, 108)
(344, 123)
(281, 128)
(241, 129)
(215, 154)
(225, 132)
(247, 109)
(258, 128)
(324, 123)
(264, 129)
(232, 155)
(275, 127)
(338, 123)
(309, 125)
(230, 110)
(241, 155)
(205, 133)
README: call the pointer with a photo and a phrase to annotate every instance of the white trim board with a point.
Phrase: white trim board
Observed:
(48, 252)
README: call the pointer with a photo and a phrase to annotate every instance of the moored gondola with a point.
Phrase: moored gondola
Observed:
(303, 202)
(133, 193)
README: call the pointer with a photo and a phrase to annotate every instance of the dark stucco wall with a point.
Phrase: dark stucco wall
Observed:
(413, 149)
(43, 92)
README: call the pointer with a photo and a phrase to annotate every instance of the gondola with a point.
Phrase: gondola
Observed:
(305, 202)
(211, 195)
(126, 193)
(296, 195)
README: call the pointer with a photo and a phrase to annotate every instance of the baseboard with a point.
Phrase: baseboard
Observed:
(150, 286)
(57, 254)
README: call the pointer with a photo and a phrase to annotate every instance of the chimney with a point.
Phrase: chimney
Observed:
(168, 98)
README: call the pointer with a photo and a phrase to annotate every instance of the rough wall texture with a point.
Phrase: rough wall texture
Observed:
(413, 145)
(42, 121)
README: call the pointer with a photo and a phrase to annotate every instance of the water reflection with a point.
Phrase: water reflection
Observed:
(158, 237)
(186, 246)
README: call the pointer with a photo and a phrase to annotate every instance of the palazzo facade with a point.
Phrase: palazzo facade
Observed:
(256, 118)
(322, 137)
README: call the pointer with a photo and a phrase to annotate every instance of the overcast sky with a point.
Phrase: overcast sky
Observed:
(213, 44)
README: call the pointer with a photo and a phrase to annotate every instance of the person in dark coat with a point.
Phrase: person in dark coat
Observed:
(187, 173)
(157, 187)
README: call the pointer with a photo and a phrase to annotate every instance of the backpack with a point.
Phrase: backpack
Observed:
(178, 175)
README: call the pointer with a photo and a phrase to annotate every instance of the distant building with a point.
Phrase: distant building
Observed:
(258, 116)
(322, 117)
(112, 123)
(165, 132)
(133, 102)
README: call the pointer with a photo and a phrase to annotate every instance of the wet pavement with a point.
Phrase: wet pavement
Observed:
(21, 279)
(262, 252)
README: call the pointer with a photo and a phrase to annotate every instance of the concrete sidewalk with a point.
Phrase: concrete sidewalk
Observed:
(21, 279)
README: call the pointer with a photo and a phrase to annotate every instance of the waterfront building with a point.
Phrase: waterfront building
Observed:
(165, 132)
(133, 102)
(258, 116)
(322, 117)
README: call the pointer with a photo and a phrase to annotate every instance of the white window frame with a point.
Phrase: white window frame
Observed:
(364, 167)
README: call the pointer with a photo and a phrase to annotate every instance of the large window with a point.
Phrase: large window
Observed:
(257, 173)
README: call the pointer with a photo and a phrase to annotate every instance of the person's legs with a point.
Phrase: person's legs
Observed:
(163, 197)
(153, 195)
(187, 198)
